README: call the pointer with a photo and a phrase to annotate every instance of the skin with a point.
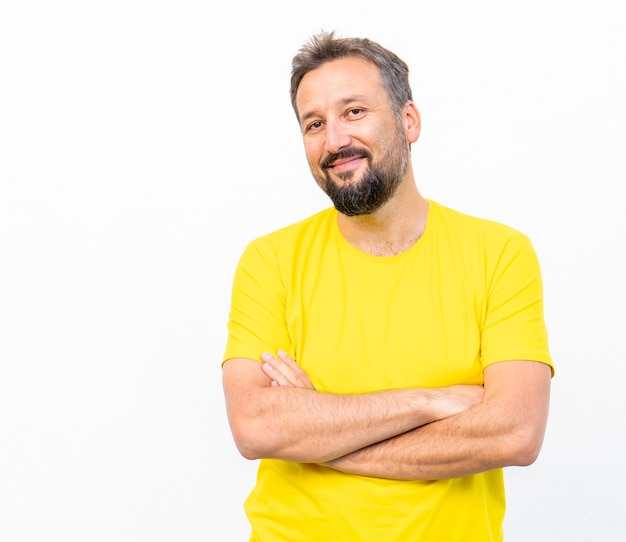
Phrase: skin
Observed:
(285, 418)
(506, 428)
(273, 409)
(339, 107)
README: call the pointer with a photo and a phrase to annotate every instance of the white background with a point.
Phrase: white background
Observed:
(144, 143)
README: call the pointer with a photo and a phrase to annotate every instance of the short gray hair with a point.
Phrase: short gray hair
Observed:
(325, 47)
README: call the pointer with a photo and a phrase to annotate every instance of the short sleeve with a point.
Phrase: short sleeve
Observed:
(257, 314)
(514, 326)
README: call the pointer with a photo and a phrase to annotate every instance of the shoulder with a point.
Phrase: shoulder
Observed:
(296, 237)
(480, 242)
(468, 227)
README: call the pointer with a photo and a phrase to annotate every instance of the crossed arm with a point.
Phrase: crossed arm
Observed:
(415, 433)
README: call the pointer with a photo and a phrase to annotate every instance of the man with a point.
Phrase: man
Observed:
(386, 357)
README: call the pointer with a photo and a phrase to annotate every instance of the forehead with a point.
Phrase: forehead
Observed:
(336, 81)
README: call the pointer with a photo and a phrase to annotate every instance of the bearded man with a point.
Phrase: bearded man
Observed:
(388, 356)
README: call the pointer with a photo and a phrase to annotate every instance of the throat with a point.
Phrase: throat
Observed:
(386, 248)
(390, 231)
(380, 239)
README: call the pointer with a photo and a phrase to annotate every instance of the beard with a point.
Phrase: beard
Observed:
(378, 184)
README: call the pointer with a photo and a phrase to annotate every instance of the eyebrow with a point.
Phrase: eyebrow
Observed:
(342, 102)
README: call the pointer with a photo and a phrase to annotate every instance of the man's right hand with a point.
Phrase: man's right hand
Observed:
(284, 371)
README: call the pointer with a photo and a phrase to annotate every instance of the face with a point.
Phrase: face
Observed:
(356, 146)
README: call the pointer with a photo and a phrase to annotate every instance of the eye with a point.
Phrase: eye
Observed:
(355, 113)
(313, 126)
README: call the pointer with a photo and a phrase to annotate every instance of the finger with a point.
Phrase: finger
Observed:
(276, 379)
(288, 361)
(277, 370)
(297, 376)
(283, 363)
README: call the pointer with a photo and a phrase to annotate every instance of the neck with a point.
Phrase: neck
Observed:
(393, 228)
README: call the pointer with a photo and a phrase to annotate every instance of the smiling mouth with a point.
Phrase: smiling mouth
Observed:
(345, 163)
(345, 159)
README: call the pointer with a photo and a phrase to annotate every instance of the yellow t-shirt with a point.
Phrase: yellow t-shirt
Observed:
(466, 295)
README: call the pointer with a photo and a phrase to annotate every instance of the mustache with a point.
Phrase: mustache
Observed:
(348, 152)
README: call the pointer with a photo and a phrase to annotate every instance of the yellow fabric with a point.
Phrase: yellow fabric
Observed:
(466, 295)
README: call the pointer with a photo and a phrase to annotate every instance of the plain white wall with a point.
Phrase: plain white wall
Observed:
(144, 143)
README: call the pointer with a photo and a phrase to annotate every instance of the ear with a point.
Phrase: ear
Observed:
(412, 122)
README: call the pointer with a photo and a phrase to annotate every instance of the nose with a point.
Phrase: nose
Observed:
(337, 136)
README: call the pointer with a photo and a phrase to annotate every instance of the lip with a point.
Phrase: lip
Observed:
(345, 163)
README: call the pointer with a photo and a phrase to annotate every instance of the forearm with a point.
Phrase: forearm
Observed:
(302, 424)
(505, 429)
(448, 448)
(305, 425)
